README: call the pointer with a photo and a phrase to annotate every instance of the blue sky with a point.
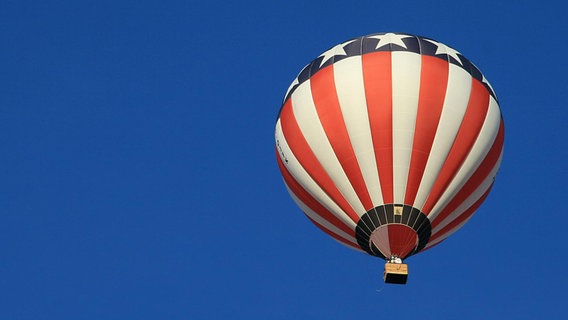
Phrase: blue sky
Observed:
(138, 178)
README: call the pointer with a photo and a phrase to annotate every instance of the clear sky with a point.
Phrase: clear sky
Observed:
(138, 177)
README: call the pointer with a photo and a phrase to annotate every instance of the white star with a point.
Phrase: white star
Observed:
(335, 51)
(484, 80)
(295, 82)
(443, 49)
(389, 38)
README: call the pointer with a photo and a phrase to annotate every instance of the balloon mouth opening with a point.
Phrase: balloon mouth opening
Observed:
(394, 240)
(393, 229)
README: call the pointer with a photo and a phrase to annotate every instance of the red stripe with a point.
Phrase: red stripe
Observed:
(433, 84)
(476, 179)
(461, 218)
(329, 113)
(334, 235)
(469, 130)
(377, 75)
(308, 160)
(310, 201)
(402, 239)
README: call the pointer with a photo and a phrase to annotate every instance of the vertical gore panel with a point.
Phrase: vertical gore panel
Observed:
(476, 179)
(433, 83)
(310, 201)
(331, 118)
(334, 236)
(308, 160)
(378, 91)
(467, 134)
(406, 70)
(464, 216)
(350, 87)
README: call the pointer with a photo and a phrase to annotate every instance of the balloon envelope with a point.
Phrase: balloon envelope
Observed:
(389, 142)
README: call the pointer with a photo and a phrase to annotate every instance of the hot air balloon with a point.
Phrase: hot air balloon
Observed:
(389, 143)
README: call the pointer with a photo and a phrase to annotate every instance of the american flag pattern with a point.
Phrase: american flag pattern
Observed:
(389, 142)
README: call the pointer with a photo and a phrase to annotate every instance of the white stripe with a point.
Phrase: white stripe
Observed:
(478, 193)
(317, 218)
(305, 180)
(295, 82)
(311, 127)
(405, 92)
(478, 152)
(455, 105)
(350, 88)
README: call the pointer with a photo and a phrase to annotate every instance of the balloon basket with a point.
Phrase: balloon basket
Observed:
(396, 273)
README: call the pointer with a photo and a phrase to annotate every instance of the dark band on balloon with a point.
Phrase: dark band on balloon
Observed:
(370, 43)
(385, 214)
